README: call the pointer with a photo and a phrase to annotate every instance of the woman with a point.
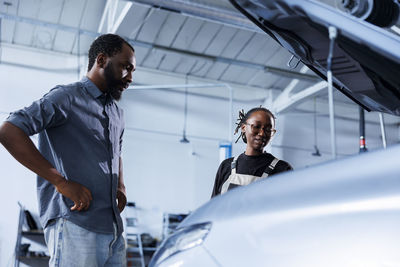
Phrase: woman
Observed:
(257, 127)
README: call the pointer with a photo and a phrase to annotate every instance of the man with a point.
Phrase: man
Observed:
(80, 184)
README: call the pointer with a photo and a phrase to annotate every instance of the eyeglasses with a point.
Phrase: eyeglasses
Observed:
(256, 128)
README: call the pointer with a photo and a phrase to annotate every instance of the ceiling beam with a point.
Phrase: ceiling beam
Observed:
(266, 68)
(285, 102)
(124, 11)
(222, 15)
(286, 99)
(270, 69)
(104, 15)
(109, 15)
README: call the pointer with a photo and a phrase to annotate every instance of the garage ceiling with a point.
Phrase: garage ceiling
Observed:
(206, 39)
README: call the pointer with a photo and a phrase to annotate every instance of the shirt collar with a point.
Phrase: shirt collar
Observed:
(91, 87)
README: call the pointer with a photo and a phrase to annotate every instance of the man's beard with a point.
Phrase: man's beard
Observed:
(113, 85)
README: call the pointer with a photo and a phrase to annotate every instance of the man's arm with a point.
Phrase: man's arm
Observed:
(23, 150)
(121, 192)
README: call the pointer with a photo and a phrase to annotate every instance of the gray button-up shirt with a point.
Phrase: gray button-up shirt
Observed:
(80, 134)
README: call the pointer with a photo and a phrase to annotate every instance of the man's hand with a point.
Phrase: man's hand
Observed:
(79, 194)
(121, 197)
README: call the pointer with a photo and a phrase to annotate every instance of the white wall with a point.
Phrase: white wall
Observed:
(296, 136)
(162, 174)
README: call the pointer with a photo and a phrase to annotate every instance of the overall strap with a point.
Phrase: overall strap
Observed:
(270, 168)
(233, 165)
(225, 185)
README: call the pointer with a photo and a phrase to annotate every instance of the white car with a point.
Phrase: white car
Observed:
(341, 213)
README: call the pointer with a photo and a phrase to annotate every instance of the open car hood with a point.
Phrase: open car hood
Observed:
(366, 58)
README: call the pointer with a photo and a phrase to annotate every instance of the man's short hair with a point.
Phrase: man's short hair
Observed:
(109, 44)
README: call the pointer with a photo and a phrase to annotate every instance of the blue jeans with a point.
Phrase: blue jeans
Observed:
(73, 246)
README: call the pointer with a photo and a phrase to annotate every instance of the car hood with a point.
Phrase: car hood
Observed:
(366, 58)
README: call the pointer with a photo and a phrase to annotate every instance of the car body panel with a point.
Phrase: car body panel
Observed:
(328, 240)
(196, 257)
(340, 213)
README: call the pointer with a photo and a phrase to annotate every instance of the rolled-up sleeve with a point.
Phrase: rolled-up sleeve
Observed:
(49, 111)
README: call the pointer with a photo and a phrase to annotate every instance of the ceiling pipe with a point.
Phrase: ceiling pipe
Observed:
(332, 37)
(363, 145)
(383, 132)
(31, 67)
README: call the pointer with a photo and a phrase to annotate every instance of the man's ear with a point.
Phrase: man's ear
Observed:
(101, 60)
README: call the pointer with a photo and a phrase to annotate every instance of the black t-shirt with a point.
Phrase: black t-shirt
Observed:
(250, 165)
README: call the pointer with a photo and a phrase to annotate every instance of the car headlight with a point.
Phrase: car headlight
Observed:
(183, 239)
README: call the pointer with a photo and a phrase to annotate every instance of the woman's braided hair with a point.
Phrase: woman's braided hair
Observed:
(243, 118)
